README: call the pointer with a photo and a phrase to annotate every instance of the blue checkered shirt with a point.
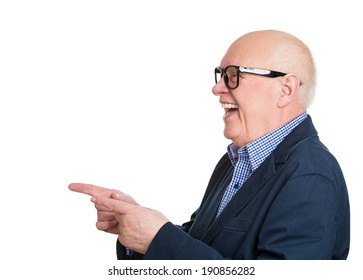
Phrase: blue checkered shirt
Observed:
(248, 158)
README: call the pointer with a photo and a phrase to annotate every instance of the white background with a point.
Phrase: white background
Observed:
(118, 94)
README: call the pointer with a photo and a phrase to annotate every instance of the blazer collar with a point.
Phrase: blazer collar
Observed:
(301, 133)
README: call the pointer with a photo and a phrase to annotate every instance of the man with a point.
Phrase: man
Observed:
(277, 194)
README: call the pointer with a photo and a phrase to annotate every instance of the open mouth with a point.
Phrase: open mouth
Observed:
(229, 107)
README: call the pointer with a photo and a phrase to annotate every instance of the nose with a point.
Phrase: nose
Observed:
(220, 88)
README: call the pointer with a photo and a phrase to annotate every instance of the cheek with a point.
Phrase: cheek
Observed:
(259, 101)
(251, 105)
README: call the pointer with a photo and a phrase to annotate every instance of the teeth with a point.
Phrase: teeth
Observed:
(229, 105)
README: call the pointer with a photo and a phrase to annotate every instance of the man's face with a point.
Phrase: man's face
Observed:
(250, 109)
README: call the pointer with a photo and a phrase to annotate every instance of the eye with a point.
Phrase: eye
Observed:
(233, 77)
(232, 73)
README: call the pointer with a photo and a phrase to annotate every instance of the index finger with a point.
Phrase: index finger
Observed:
(114, 205)
(91, 190)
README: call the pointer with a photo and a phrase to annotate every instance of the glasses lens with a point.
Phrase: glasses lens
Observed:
(231, 77)
(217, 74)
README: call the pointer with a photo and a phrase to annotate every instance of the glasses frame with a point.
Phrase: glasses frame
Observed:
(243, 69)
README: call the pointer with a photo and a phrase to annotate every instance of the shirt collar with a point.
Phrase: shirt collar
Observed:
(259, 149)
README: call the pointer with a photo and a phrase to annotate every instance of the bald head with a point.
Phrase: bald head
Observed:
(279, 51)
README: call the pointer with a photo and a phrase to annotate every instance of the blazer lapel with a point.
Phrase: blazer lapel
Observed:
(249, 189)
(208, 210)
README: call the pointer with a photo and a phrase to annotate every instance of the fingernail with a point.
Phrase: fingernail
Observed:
(93, 199)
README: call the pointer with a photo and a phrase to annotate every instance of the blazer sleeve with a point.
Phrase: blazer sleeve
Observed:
(121, 249)
(301, 223)
(121, 253)
(173, 243)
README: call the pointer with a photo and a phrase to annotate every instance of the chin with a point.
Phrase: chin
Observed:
(229, 135)
(234, 135)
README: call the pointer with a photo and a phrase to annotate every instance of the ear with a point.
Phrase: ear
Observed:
(290, 84)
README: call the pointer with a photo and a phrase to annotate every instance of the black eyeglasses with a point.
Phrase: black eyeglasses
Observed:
(231, 74)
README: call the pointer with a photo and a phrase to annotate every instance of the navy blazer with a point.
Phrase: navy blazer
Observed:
(294, 206)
